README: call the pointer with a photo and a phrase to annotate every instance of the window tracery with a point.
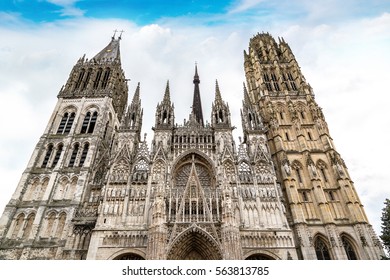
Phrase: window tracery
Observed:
(322, 250)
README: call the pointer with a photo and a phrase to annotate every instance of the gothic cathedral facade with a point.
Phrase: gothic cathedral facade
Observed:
(95, 189)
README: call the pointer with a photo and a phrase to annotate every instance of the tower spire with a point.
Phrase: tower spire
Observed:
(218, 97)
(111, 51)
(197, 104)
(167, 95)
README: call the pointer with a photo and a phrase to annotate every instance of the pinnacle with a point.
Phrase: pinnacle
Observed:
(217, 92)
(167, 97)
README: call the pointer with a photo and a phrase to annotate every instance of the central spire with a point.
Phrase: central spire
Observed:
(197, 104)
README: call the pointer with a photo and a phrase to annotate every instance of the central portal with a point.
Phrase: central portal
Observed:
(194, 244)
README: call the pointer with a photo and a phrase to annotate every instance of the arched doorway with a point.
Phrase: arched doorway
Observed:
(259, 257)
(129, 256)
(194, 244)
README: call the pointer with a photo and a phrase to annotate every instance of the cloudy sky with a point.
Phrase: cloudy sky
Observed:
(343, 48)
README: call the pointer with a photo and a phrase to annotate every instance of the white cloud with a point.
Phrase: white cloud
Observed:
(346, 65)
(68, 7)
(243, 5)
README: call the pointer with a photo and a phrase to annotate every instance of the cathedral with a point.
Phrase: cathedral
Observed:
(95, 189)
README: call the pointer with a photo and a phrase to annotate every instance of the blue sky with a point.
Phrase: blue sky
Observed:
(206, 12)
(341, 46)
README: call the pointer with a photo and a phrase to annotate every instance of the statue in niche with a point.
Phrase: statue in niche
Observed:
(313, 169)
(286, 167)
(340, 170)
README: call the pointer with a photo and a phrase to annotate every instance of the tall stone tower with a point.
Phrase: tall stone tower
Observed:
(55, 206)
(95, 189)
(324, 209)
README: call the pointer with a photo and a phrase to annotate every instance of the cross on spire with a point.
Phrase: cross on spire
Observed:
(115, 31)
(120, 35)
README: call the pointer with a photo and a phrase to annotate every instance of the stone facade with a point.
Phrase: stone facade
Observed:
(95, 189)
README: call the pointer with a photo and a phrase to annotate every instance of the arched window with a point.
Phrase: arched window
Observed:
(60, 225)
(267, 82)
(84, 154)
(28, 226)
(292, 82)
(349, 249)
(92, 123)
(50, 224)
(97, 80)
(57, 156)
(69, 123)
(62, 123)
(322, 250)
(66, 123)
(17, 225)
(80, 79)
(47, 156)
(89, 122)
(74, 154)
(86, 121)
(275, 82)
(86, 81)
(322, 167)
(298, 168)
(105, 78)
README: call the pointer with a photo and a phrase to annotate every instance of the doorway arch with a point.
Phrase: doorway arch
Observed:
(194, 244)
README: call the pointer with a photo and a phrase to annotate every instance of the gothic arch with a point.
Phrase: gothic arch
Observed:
(122, 254)
(321, 164)
(260, 254)
(61, 188)
(200, 155)
(229, 169)
(27, 228)
(141, 169)
(32, 188)
(350, 246)
(304, 112)
(196, 244)
(60, 224)
(159, 169)
(43, 186)
(50, 221)
(17, 224)
(68, 109)
(91, 108)
(322, 247)
(72, 188)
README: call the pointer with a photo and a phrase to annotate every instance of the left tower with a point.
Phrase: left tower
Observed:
(54, 209)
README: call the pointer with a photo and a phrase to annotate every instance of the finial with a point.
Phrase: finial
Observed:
(120, 35)
(217, 91)
(113, 37)
(196, 76)
(167, 97)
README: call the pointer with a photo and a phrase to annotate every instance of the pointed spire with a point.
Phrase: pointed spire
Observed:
(246, 95)
(218, 97)
(197, 104)
(136, 98)
(196, 76)
(167, 95)
(111, 51)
